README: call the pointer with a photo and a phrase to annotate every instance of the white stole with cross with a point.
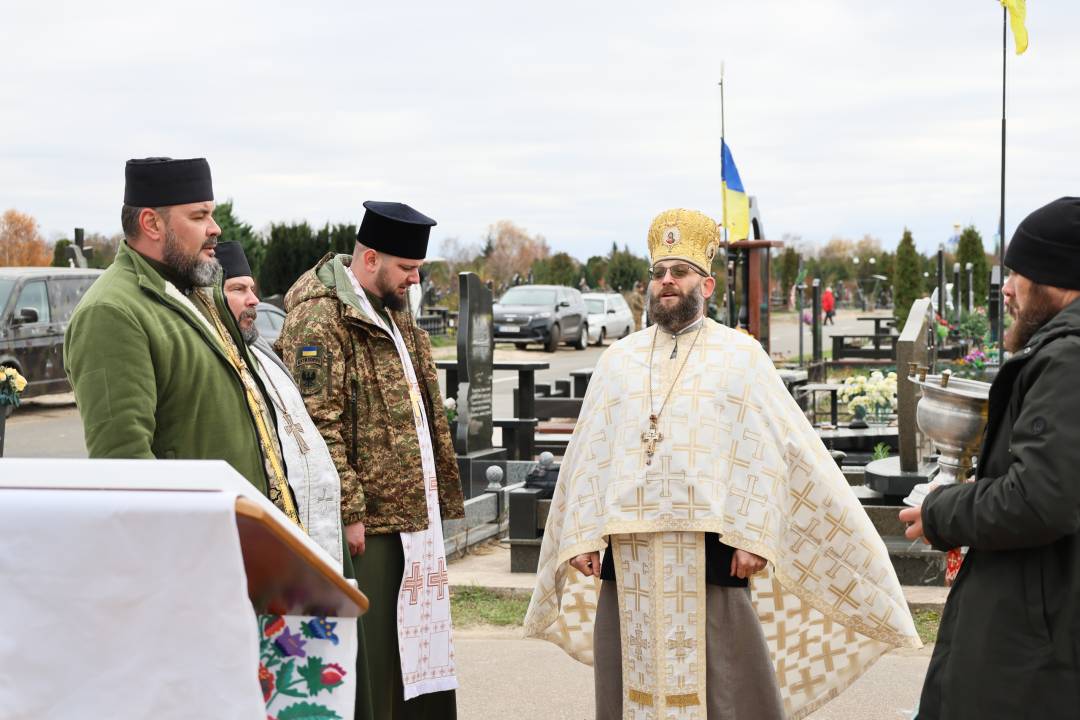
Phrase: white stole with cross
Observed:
(425, 632)
(737, 457)
(312, 473)
(325, 680)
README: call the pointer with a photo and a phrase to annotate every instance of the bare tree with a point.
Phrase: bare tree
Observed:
(511, 250)
(458, 255)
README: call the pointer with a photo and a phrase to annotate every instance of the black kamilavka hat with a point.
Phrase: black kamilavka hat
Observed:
(395, 229)
(234, 262)
(160, 182)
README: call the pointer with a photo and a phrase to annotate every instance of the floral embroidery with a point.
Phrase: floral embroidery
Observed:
(276, 623)
(290, 671)
(266, 680)
(290, 644)
(321, 628)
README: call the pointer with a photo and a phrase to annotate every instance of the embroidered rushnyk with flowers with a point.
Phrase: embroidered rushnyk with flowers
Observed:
(735, 456)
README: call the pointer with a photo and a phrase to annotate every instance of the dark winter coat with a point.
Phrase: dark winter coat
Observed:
(1009, 642)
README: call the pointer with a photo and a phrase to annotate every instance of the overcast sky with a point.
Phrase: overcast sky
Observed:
(576, 120)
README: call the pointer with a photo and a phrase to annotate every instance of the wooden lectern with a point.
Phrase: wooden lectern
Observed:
(285, 577)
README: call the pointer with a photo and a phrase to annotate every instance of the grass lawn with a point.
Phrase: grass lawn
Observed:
(447, 340)
(926, 622)
(480, 606)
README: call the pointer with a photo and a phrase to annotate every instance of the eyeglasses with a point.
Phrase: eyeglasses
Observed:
(678, 271)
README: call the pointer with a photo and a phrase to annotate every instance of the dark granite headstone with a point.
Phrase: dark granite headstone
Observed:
(475, 355)
(476, 351)
(994, 303)
(895, 476)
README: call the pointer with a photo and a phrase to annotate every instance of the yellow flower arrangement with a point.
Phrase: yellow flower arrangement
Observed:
(11, 386)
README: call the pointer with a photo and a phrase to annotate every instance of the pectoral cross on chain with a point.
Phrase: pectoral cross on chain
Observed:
(297, 432)
(649, 438)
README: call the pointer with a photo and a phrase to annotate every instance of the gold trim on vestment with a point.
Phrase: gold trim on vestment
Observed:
(269, 448)
(663, 603)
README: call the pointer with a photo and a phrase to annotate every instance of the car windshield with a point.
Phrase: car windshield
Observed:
(596, 307)
(528, 296)
(5, 292)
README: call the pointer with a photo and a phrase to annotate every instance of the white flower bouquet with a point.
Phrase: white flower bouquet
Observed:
(872, 398)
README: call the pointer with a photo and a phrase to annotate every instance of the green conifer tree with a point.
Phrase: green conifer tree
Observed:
(970, 250)
(907, 278)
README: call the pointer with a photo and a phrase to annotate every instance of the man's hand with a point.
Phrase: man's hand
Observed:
(913, 518)
(354, 535)
(744, 564)
(587, 564)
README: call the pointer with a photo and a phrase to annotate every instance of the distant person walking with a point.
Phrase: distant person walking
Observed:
(828, 304)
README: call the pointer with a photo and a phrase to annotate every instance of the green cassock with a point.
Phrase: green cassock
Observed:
(150, 379)
(378, 573)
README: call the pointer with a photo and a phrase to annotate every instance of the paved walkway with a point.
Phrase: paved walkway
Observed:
(785, 332)
(496, 664)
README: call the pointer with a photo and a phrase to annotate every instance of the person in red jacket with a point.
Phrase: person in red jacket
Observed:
(828, 304)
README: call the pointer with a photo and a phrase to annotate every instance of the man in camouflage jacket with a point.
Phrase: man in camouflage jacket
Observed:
(354, 388)
(352, 378)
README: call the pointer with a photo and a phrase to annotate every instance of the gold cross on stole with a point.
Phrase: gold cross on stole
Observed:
(649, 438)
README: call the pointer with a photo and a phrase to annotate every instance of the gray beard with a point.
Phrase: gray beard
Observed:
(690, 307)
(251, 334)
(200, 273)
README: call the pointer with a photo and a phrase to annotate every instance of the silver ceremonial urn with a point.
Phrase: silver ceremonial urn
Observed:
(952, 413)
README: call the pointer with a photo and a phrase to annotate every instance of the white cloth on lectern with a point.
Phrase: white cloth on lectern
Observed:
(124, 604)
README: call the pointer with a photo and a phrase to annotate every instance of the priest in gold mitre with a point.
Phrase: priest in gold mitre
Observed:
(703, 551)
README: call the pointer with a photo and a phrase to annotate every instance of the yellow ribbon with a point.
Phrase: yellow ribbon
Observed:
(256, 412)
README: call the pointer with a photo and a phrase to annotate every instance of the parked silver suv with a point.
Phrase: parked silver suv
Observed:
(547, 314)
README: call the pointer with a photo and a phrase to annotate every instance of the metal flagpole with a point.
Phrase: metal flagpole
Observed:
(996, 331)
(729, 257)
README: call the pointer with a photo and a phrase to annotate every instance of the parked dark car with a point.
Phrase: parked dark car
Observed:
(35, 306)
(547, 314)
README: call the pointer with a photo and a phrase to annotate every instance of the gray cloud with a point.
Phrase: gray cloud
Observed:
(578, 121)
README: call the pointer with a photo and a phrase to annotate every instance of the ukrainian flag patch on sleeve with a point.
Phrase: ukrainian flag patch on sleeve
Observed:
(310, 371)
(308, 355)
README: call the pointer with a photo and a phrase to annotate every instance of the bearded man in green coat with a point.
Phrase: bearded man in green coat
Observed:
(154, 356)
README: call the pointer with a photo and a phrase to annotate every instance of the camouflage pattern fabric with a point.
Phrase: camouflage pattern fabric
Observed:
(355, 391)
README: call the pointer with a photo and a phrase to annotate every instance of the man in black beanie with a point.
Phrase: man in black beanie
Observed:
(1009, 641)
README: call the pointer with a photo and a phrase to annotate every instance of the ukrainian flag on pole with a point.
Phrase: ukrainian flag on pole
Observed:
(736, 201)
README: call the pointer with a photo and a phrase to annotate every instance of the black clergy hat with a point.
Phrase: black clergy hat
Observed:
(234, 262)
(395, 229)
(161, 181)
(1046, 245)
